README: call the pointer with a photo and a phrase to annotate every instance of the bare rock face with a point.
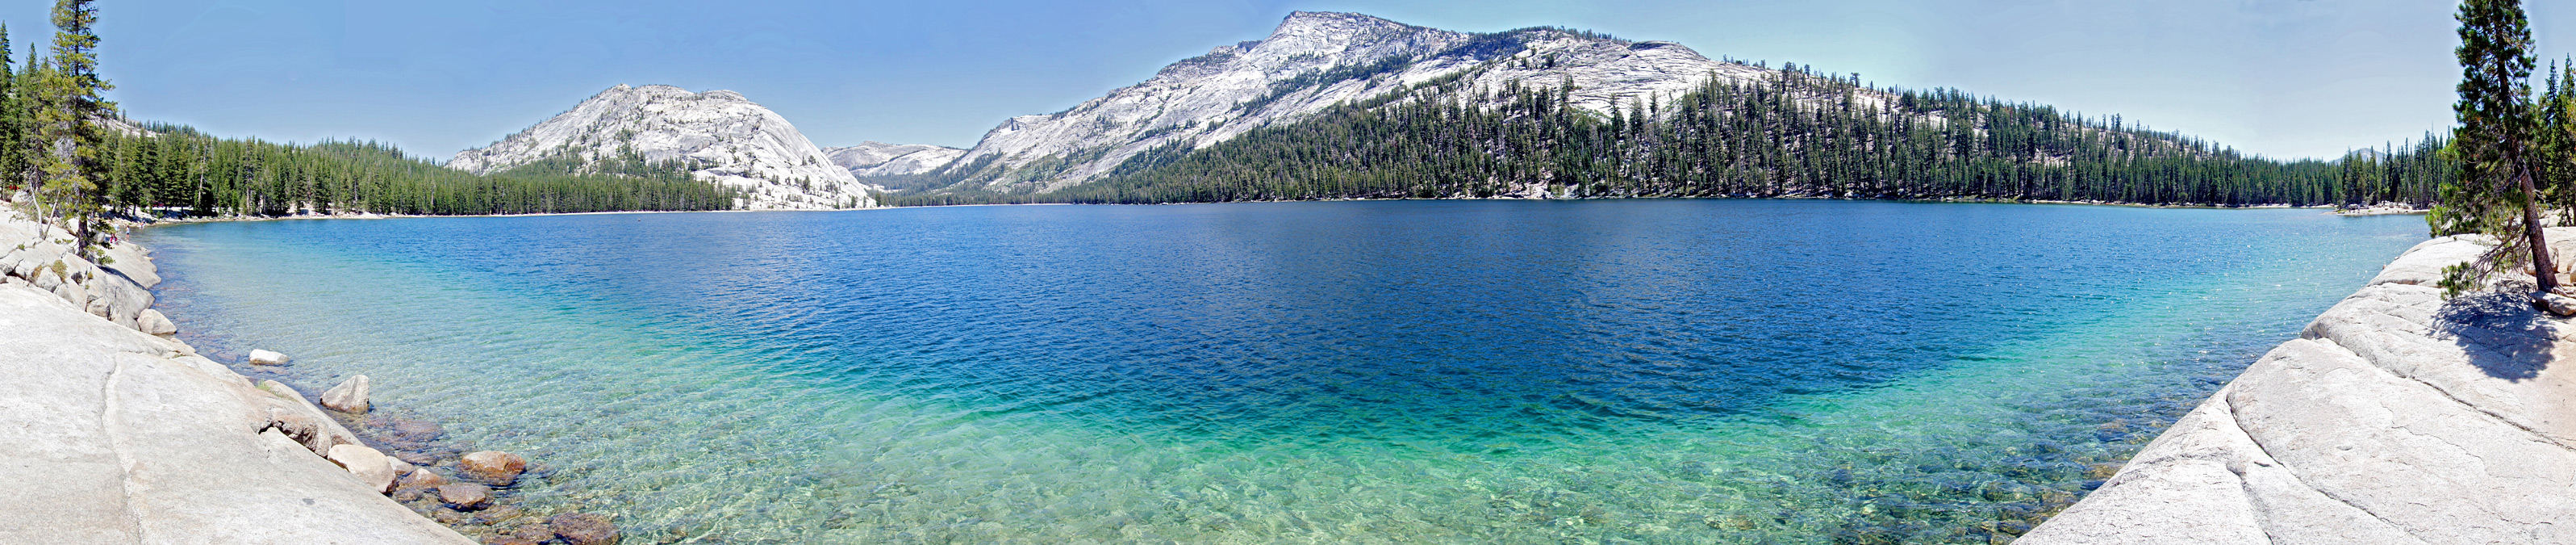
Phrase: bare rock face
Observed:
(493, 466)
(265, 357)
(584, 529)
(729, 139)
(371, 467)
(465, 496)
(349, 397)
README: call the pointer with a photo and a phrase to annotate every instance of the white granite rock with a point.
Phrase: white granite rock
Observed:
(349, 397)
(153, 322)
(372, 468)
(109, 435)
(265, 357)
(2398, 417)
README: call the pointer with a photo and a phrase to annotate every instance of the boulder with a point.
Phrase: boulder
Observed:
(153, 322)
(584, 529)
(465, 496)
(349, 397)
(371, 467)
(493, 466)
(264, 357)
(2560, 305)
(325, 433)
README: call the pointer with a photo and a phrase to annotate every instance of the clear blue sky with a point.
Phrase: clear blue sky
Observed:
(2286, 78)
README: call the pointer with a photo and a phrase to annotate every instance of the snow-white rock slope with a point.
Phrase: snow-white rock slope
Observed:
(1214, 97)
(882, 159)
(734, 141)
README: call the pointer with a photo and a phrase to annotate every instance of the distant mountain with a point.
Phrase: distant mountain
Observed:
(717, 135)
(882, 159)
(1311, 62)
(1337, 106)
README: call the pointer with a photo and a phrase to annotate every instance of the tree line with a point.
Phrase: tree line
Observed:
(67, 157)
(1794, 133)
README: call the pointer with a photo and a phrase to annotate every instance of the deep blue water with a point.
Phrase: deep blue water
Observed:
(1664, 371)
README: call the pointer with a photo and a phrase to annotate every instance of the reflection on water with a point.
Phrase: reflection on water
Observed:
(1654, 371)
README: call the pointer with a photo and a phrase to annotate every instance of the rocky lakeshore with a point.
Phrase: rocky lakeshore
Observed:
(114, 431)
(2396, 417)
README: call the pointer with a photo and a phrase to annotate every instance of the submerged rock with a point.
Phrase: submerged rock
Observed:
(422, 478)
(465, 496)
(584, 529)
(371, 467)
(264, 357)
(349, 397)
(493, 466)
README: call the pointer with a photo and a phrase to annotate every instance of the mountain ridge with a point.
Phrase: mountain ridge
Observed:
(1310, 62)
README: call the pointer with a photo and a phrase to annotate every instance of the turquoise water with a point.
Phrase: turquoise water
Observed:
(1644, 371)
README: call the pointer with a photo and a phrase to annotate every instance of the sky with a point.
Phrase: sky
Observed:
(2281, 78)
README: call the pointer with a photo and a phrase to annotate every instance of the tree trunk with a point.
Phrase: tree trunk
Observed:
(2542, 271)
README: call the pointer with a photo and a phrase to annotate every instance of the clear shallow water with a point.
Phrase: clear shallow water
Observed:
(1651, 371)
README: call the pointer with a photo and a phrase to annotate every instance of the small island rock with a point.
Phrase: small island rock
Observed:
(465, 496)
(264, 357)
(349, 397)
(493, 466)
(371, 467)
(584, 529)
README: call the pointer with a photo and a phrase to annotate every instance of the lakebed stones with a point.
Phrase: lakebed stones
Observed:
(349, 397)
(493, 466)
(264, 357)
(584, 529)
(464, 496)
(422, 478)
(371, 467)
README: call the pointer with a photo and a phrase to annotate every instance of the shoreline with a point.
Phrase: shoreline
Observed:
(2330, 209)
(192, 450)
(2376, 425)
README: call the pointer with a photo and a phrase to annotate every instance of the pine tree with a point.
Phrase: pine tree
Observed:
(68, 110)
(12, 124)
(2495, 192)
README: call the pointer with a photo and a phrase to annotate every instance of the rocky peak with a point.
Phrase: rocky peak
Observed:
(726, 138)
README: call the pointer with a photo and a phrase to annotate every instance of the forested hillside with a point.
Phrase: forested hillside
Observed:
(1798, 133)
(179, 171)
(67, 156)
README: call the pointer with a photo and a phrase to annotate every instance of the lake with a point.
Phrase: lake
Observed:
(1659, 371)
